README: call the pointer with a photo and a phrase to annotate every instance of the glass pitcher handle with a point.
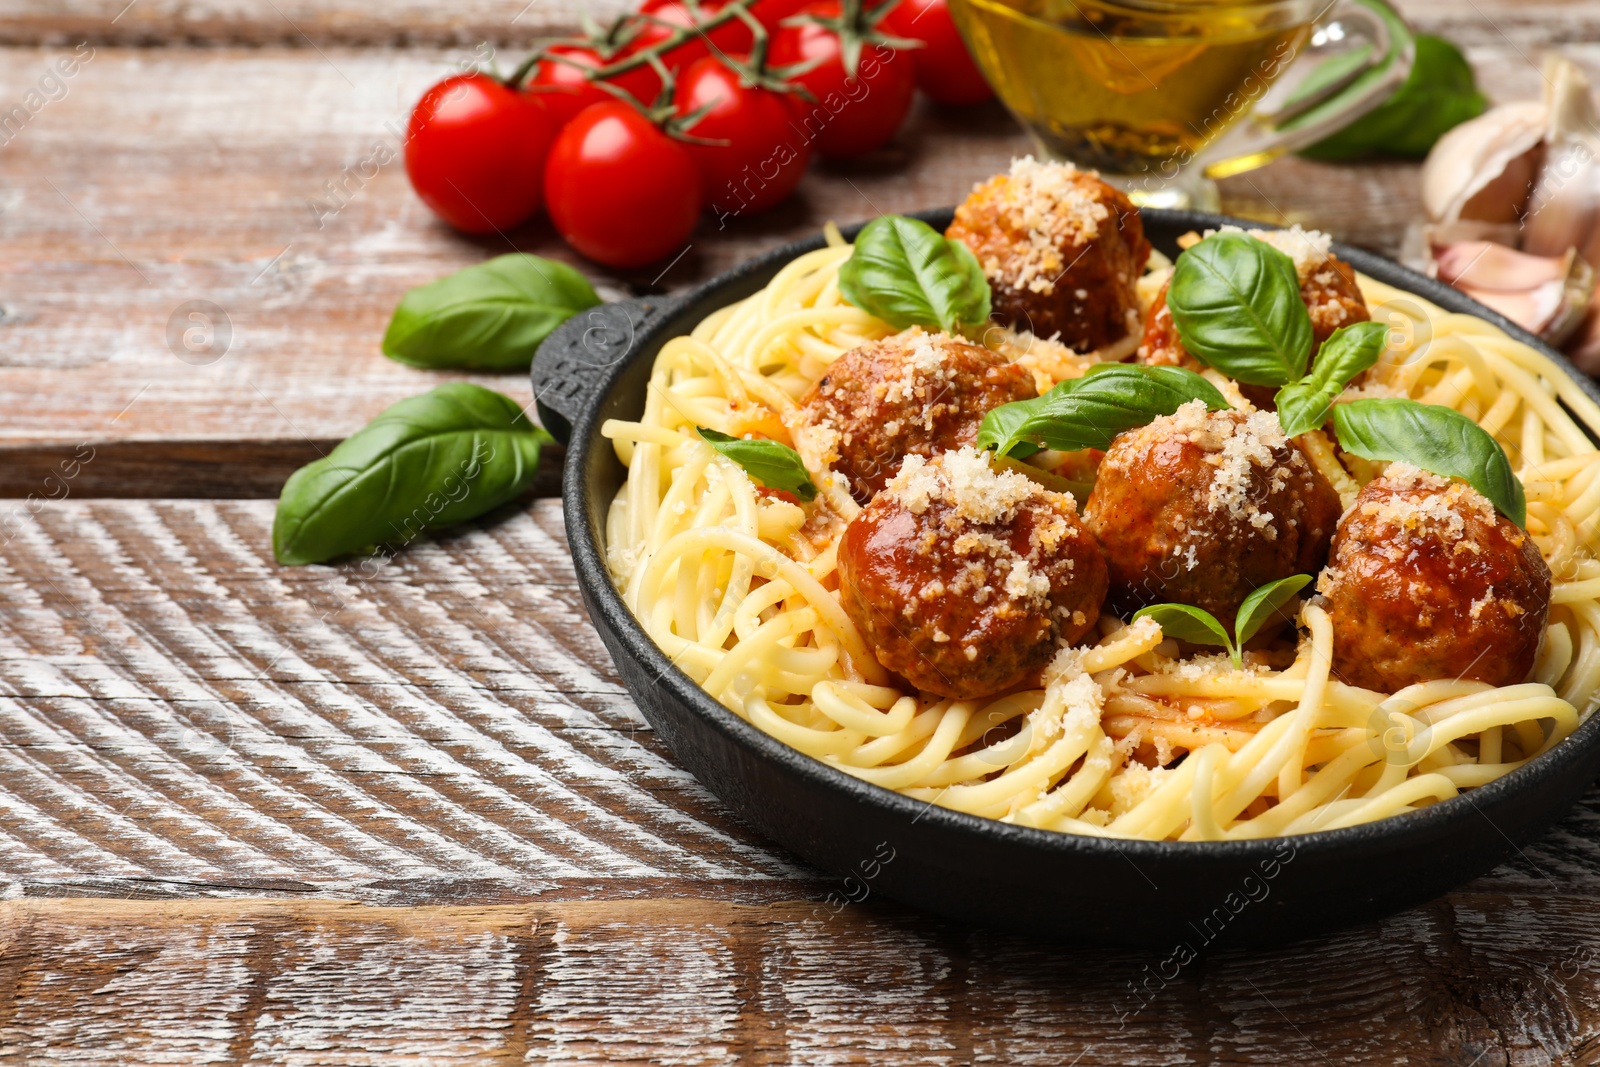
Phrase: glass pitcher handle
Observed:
(1370, 53)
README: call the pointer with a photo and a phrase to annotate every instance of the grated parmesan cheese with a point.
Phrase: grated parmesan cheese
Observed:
(1073, 701)
(1238, 445)
(1420, 501)
(963, 481)
(1308, 248)
(1055, 209)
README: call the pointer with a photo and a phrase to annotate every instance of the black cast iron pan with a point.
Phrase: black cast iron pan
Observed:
(1158, 894)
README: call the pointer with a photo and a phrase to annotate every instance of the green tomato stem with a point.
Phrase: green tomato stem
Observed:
(735, 9)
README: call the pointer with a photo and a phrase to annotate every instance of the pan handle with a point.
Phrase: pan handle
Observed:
(574, 360)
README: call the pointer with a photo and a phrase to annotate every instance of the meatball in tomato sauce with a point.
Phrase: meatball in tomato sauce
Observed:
(1203, 507)
(1062, 251)
(1327, 287)
(1427, 581)
(911, 394)
(965, 580)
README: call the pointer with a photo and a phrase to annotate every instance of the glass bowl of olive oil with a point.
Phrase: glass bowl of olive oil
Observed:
(1158, 95)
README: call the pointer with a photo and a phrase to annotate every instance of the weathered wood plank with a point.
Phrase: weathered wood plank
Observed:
(177, 708)
(297, 23)
(180, 716)
(304, 23)
(206, 469)
(1472, 979)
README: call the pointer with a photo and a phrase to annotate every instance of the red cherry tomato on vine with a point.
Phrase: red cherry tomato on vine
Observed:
(475, 152)
(733, 36)
(673, 15)
(564, 90)
(851, 115)
(764, 157)
(945, 70)
(619, 189)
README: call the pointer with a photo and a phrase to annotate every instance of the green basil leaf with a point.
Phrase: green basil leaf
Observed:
(490, 316)
(1236, 303)
(771, 463)
(1261, 605)
(1088, 412)
(909, 274)
(1303, 406)
(427, 462)
(1437, 439)
(1439, 94)
(1184, 622)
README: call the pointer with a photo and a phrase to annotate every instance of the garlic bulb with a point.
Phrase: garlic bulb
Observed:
(1513, 204)
(1561, 212)
(1482, 170)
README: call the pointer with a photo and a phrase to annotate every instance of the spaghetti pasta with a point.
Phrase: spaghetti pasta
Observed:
(740, 589)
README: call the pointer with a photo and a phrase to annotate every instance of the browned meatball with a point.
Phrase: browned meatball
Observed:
(1062, 250)
(1201, 508)
(1327, 286)
(966, 580)
(911, 394)
(1427, 581)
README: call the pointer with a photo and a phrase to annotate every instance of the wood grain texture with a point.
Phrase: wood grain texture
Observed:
(180, 713)
(204, 469)
(1469, 980)
(296, 23)
(308, 23)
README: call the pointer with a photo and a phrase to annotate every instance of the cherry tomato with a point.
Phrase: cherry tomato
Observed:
(619, 189)
(565, 91)
(945, 70)
(734, 36)
(673, 15)
(851, 115)
(475, 152)
(764, 158)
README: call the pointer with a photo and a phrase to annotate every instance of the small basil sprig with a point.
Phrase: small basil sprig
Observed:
(908, 274)
(773, 464)
(490, 316)
(1437, 439)
(427, 462)
(1236, 304)
(1088, 412)
(1303, 406)
(1199, 627)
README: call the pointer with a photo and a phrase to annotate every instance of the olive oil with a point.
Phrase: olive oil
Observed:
(1135, 87)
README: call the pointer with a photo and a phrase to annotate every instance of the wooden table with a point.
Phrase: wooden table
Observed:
(261, 815)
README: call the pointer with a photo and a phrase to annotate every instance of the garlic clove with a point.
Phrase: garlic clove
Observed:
(1564, 209)
(1531, 309)
(1488, 265)
(1546, 295)
(1568, 100)
(1484, 169)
